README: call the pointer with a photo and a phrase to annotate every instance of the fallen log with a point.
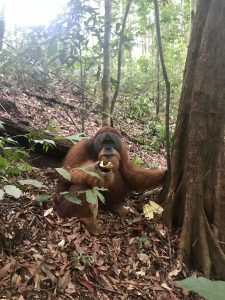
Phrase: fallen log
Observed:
(19, 131)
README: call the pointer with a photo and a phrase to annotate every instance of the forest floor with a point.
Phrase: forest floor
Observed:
(48, 257)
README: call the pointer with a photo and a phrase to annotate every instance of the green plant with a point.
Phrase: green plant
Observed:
(210, 290)
(81, 258)
(142, 240)
(157, 130)
(39, 137)
(12, 167)
(46, 144)
(53, 127)
(92, 195)
(137, 161)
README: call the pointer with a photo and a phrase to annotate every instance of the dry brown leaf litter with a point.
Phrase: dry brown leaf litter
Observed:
(47, 257)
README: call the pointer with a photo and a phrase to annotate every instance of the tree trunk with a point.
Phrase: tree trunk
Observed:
(106, 63)
(193, 4)
(157, 102)
(120, 56)
(167, 83)
(196, 197)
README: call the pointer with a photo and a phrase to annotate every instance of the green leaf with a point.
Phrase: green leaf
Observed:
(99, 195)
(137, 161)
(211, 290)
(14, 154)
(3, 162)
(1, 125)
(91, 196)
(1, 194)
(42, 198)
(25, 167)
(32, 182)
(65, 174)
(85, 170)
(49, 142)
(91, 173)
(12, 190)
(76, 137)
(13, 170)
(72, 198)
(46, 143)
(10, 141)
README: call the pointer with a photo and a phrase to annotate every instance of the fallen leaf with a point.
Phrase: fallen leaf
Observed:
(140, 273)
(61, 244)
(71, 288)
(143, 257)
(86, 284)
(165, 286)
(48, 211)
(5, 270)
(49, 274)
(151, 208)
(65, 280)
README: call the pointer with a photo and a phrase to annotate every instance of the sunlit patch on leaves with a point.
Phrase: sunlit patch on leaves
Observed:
(65, 174)
(150, 209)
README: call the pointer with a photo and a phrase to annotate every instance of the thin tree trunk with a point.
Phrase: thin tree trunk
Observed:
(82, 89)
(157, 105)
(120, 57)
(106, 63)
(196, 197)
(167, 83)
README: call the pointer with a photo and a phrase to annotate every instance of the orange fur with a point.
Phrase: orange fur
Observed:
(120, 181)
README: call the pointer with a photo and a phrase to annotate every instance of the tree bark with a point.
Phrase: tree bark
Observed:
(193, 4)
(106, 63)
(157, 102)
(167, 83)
(196, 197)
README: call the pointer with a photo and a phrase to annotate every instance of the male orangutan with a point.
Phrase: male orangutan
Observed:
(108, 157)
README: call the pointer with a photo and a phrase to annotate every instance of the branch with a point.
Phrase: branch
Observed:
(120, 56)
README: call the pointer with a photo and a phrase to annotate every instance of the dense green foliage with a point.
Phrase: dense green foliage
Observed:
(13, 169)
(72, 47)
